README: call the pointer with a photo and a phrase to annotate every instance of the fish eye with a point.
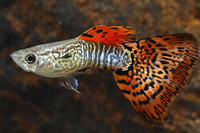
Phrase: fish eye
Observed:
(30, 58)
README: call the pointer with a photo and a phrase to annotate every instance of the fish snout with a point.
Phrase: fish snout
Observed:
(16, 56)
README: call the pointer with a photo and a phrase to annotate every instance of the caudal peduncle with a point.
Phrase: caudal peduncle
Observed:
(106, 56)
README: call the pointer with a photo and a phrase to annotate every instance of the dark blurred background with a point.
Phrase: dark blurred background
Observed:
(34, 104)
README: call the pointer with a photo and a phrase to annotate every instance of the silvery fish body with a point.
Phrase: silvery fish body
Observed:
(69, 58)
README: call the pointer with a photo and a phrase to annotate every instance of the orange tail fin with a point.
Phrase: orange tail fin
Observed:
(109, 34)
(161, 69)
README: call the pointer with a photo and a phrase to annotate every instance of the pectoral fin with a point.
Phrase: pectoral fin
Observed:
(70, 83)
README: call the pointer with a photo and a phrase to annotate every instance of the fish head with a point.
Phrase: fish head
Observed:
(52, 60)
(33, 60)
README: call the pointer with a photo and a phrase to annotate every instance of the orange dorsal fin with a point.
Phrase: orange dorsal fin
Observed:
(109, 34)
(162, 68)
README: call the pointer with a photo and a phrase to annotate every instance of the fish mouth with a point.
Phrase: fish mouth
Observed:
(13, 56)
(16, 57)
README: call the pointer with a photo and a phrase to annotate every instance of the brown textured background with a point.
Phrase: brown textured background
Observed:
(33, 104)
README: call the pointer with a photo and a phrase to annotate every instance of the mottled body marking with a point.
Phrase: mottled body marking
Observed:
(150, 72)
(86, 55)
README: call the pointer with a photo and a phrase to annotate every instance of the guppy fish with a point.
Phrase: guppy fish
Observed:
(150, 72)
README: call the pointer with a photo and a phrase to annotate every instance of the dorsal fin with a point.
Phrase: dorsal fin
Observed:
(109, 34)
(162, 68)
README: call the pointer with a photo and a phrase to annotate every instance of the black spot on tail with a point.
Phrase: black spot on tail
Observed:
(151, 41)
(168, 55)
(125, 91)
(157, 92)
(154, 58)
(123, 82)
(160, 45)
